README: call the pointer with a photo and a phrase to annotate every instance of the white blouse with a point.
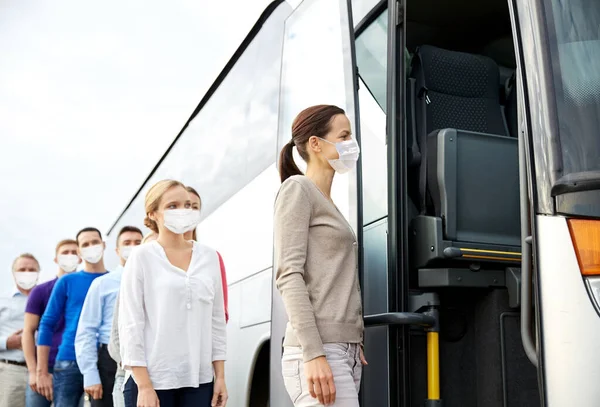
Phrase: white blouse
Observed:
(170, 320)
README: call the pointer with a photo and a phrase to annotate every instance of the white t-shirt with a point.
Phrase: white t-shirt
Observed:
(172, 321)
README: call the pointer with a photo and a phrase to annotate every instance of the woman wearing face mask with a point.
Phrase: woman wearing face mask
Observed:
(191, 235)
(316, 255)
(171, 317)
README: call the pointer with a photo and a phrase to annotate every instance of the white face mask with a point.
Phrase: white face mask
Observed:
(180, 221)
(125, 251)
(26, 280)
(68, 262)
(92, 254)
(348, 152)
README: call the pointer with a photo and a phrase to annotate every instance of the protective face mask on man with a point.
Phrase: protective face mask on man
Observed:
(92, 254)
(348, 152)
(26, 280)
(180, 221)
(125, 251)
(68, 262)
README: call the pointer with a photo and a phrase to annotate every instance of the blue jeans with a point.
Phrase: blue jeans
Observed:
(184, 397)
(67, 383)
(35, 399)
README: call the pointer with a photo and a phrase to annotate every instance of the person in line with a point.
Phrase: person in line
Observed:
(65, 256)
(191, 235)
(316, 252)
(113, 345)
(172, 315)
(13, 369)
(66, 301)
(150, 237)
(95, 322)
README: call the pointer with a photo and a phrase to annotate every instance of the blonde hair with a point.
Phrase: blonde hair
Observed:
(153, 198)
(148, 237)
(25, 256)
(64, 242)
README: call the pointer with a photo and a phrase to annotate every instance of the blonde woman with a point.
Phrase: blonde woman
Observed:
(316, 253)
(171, 317)
(191, 235)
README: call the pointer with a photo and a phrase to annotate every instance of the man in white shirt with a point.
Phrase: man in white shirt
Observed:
(13, 370)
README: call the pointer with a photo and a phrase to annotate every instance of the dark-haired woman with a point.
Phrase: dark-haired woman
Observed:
(191, 235)
(316, 254)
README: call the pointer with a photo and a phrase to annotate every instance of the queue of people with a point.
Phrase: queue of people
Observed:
(69, 336)
(152, 332)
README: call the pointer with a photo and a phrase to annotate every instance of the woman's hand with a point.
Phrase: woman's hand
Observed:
(320, 380)
(362, 356)
(147, 397)
(219, 393)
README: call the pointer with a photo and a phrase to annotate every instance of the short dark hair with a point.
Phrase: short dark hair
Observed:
(126, 229)
(88, 229)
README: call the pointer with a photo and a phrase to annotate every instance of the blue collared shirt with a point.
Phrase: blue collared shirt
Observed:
(95, 324)
(12, 317)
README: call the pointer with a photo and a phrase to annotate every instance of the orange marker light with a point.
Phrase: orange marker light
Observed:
(585, 235)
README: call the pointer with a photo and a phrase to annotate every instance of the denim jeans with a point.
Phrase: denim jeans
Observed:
(200, 396)
(67, 383)
(35, 399)
(345, 364)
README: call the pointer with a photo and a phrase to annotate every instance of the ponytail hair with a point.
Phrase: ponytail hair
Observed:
(312, 121)
(287, 165)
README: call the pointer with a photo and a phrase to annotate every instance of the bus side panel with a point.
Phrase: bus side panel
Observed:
(245, 340)
(570, 330)
(278, 395)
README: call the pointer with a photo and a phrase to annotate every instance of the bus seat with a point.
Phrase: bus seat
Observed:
(473, 180)
(457, 90)
(468, 180)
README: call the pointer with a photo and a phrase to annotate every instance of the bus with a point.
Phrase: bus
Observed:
(476, 199)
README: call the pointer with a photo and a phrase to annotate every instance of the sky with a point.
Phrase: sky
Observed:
(91, 95)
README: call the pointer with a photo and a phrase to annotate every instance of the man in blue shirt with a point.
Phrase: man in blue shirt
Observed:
(67, 300)
(95, 323)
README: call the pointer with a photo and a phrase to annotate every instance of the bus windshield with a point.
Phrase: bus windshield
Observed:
(574, 48)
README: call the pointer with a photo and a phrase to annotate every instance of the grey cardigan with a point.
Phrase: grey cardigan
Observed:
(113, 344)
(316, 255)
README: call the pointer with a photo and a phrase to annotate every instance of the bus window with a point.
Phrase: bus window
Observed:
(360, 9)
(574, 46)
(371, 57)
(573, 31)
(312, 75)
(371, 54)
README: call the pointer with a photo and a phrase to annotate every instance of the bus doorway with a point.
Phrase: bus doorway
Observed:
(441, 204)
